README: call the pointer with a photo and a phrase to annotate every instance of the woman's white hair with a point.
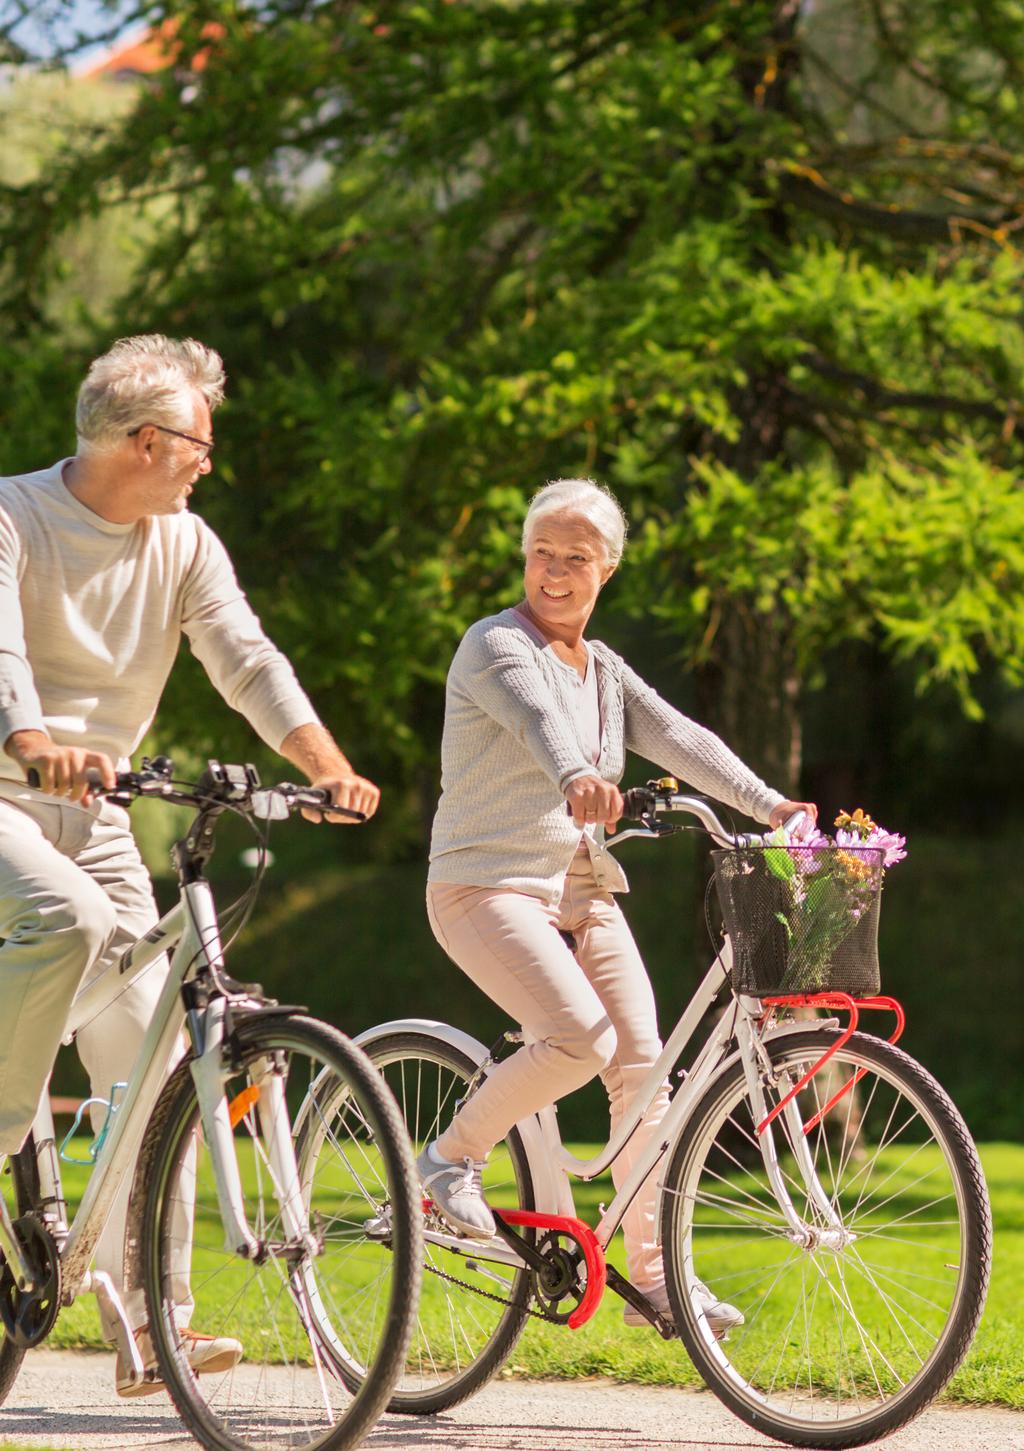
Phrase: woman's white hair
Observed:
(580, 499)
(145, 379)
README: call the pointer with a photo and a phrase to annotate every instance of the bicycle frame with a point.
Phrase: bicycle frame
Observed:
(190, 932)
(737, 1034)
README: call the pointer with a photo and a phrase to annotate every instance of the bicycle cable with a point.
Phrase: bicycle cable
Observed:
(232, 920)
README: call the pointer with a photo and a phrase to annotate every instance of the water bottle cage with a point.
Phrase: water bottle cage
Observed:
(101, 1137)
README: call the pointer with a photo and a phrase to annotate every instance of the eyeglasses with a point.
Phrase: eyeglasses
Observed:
(205, 445)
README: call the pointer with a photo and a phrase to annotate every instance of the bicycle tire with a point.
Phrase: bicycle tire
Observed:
(11, 1356)
(304, 1404)
(437, 1376)
(886, 1316)
(25, 1176)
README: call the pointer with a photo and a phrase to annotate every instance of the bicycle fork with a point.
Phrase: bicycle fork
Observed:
(210, 1077)
(756, 1067)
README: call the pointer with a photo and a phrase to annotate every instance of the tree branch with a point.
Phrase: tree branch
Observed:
(806, 189)
(879, 395)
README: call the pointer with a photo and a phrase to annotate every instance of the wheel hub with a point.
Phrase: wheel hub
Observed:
(811, 1238)
(378, 1226)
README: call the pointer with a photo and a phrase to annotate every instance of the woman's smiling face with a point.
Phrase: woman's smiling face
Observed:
(566, 566)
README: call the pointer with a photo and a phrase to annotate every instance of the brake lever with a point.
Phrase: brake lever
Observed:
(651, 833)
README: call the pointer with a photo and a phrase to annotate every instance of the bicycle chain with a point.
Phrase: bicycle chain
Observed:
(489, 1295)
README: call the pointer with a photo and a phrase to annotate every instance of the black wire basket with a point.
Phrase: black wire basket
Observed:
(801, 919)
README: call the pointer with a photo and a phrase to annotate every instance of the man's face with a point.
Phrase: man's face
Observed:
(178, 464)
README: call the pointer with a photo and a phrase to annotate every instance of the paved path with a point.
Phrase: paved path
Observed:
(65, 1399)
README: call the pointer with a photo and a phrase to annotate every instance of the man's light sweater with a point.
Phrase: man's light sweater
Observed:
(511, 747)
(91, 616)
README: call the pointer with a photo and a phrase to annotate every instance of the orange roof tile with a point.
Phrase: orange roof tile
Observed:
(151, 50)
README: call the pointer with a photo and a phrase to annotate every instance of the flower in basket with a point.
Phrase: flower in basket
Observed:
(829, 885)
(857, 829)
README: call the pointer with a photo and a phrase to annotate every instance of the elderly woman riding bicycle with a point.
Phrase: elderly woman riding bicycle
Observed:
(538, 716)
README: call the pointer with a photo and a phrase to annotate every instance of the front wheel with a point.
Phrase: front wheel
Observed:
(856, 1315)
(26, 1186)
(289, 1306)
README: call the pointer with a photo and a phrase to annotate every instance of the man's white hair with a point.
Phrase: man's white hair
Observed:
(145, 379)
(580, 499)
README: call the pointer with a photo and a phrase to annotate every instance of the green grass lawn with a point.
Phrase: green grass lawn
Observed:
(992, 1373)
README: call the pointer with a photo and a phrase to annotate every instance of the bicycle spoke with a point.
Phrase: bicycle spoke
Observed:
(311, 1313)
(845, 1314)
(463, 1327)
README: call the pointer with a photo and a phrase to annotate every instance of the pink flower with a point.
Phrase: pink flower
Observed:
(806, 849)
(891, 843)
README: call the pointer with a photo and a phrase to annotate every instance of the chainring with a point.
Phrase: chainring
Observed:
(560, 1280)
(28, 1315)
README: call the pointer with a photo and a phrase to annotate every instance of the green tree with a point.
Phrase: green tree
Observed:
(753, 264)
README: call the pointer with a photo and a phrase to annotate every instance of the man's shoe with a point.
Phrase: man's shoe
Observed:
(457, 1193)
(206, 1354)
(721, 1316)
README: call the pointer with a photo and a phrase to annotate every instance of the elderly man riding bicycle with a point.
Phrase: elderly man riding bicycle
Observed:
(102, 568)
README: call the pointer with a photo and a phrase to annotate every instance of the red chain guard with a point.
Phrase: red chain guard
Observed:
(587, 1240)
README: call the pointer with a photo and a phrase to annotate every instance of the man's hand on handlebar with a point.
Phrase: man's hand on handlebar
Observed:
(354, 793)
(66, 771)
(591, 799)
(781, 814)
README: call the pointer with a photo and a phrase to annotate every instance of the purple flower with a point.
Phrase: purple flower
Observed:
(810, 850)
(891, 843)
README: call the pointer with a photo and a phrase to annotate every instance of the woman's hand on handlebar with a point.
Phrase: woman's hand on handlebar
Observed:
(61, 770)
(781, 814)
(591, 799)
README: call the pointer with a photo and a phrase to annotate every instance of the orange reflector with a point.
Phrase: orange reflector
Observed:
(242, 1103)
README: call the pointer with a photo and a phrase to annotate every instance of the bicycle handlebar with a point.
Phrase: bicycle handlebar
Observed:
(237, 786)
(644, 803)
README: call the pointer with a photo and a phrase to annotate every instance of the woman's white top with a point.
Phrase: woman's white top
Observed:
(516, 735)
(584, 693)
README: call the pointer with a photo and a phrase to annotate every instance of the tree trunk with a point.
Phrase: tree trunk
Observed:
(749, 693)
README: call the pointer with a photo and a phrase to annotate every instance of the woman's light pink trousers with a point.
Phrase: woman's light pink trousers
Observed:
(589, 1012)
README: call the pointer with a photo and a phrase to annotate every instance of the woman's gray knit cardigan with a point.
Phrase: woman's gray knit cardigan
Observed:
(511, 747)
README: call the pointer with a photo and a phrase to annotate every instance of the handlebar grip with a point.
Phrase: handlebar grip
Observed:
(95, 780)
(637, 802)
(322, 799)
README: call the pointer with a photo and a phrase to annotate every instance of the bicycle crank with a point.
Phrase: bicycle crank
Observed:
(563, 1277)
(28, 1315)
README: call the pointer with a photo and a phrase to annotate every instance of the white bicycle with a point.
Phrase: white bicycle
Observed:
(852, 1229)
(251, 1196)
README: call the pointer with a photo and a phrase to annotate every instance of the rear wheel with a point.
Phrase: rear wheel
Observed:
(472, 1309)
(855, 1317)
(293, 1305)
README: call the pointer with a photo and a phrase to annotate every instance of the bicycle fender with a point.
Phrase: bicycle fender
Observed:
(454, 1037)
(781, 1030)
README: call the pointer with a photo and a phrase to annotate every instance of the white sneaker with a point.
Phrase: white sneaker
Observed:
(457, 1192)
(206, 1354)
(721, 1316)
